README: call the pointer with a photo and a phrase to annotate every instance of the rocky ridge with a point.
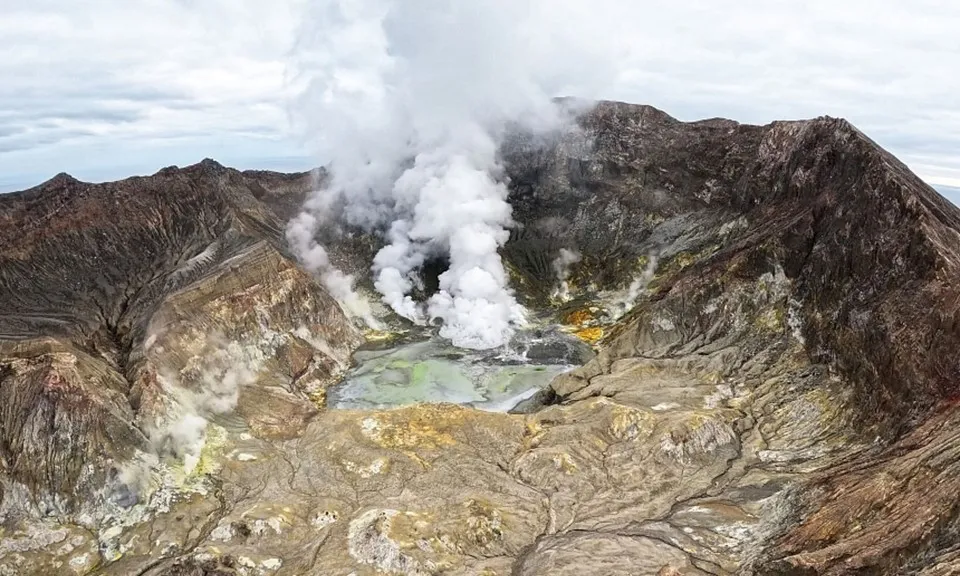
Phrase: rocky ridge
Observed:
(774, 393)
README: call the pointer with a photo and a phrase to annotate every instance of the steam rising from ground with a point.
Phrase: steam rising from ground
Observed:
(301, 232)
(208, 386)
(638, 287)
(561, 267)
(214, 390)
(408, 101)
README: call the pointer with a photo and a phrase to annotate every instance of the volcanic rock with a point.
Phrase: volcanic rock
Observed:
(776, 315)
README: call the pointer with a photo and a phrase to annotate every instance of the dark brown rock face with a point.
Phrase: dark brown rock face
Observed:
(775, 391)
(91, 261)
(870, 254)
(107, 286)
(872, 249)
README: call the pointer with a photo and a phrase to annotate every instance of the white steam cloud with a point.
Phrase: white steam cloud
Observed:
(408, 101)
(207, 387)
(561, 267)
(637, 288)
(215, 390)
(300, 233)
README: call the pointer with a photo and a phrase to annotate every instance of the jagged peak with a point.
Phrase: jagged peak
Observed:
(206, 166)
(168, 170)
(210, 163)
(61, 179)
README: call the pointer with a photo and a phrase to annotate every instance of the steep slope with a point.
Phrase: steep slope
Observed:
(775, 390)
(869, 246)
(88, 261)
(118, 297)
(844, 342)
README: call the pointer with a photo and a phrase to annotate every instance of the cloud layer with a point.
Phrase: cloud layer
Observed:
(108, 87)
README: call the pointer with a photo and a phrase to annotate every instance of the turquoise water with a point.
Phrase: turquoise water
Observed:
(433, 371)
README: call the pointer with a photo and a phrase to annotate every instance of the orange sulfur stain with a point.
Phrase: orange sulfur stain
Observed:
(579, 317)
(590, 335)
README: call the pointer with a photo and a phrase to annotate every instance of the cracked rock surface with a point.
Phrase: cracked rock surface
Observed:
(777, 396)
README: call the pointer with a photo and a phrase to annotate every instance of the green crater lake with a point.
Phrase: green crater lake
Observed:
(433, 371)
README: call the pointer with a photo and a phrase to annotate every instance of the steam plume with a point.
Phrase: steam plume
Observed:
(408, 100)
(637, 287)
(561, 267)
(216, 389)
(300, 233)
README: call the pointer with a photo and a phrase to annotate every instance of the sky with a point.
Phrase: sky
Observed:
(104, 89)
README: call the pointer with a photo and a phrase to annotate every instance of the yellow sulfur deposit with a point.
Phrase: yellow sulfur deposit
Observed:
(379, 335)
(591, 335)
